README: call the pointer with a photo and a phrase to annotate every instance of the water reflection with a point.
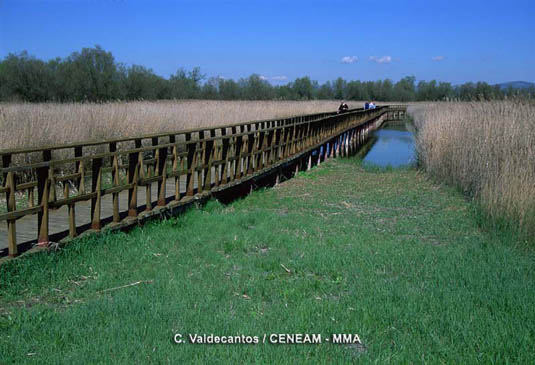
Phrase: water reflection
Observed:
(392, 145)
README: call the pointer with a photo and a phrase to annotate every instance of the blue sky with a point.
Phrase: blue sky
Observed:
(454, 41)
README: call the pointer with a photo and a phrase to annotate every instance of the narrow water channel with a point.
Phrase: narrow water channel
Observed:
(392, 145)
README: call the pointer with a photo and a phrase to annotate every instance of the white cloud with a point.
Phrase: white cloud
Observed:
(349, 59)
(263, 78)
(438, 58)
(279, 78)
(384, 59)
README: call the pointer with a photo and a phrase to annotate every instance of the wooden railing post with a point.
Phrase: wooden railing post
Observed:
(96, 187)
(145, 173)
(224, 156)
(268, 155)
(200, 160)
(31, 197)
(250, 150)
(47, 156)
(161, 165)
(286, 140)
(305, 135)
(79, 168)
(115, 182)
(43, 192)
(262, 145)
(133, 175)
(42, 196)
(302, 137)
(309, 135)
(290, 147)
(293, 137)
(11, 223)
(277, 143)
(238, 154)
(218, 166)
(70, 208)
(172, 139)
(208, 161)
(233, 155)
(299, 141)
(297, 133)
(191, 162)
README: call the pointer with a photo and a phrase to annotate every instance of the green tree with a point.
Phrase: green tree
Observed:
(445, 91)
(326, 91)
(186, 85)
(303, 88)
(354, 90)
(427, 91)
(285, 92)
(93, 75)
(387, 90)
(467, 92)
(210, 89)
(25, 78)
(228, 89)
(404, 89)
(339, 88)
(256, 88)
(90, 75)
(142, 84)
(484, 91)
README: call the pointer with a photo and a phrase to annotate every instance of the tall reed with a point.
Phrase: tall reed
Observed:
(35, 125)
(488, 150)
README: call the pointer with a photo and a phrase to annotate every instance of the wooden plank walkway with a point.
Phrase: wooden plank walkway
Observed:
(103, 174)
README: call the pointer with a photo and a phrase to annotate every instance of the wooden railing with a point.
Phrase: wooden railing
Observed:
(38, 181)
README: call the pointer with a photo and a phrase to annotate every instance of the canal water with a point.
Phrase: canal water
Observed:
(392, 145)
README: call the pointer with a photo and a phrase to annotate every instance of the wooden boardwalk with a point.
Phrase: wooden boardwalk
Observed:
(77, 187)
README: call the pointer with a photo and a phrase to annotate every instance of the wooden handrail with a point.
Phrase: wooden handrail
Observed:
(205, 159)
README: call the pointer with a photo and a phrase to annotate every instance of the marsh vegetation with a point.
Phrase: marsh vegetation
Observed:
(39, 124)
(487, 149)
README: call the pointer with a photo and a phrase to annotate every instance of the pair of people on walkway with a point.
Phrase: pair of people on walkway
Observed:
(369, 105)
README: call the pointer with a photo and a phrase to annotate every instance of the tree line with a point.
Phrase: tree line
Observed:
(93, 75)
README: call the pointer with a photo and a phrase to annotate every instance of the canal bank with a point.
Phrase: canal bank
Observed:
(342, 248)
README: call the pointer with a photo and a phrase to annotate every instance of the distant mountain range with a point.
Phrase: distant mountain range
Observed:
(516, 85)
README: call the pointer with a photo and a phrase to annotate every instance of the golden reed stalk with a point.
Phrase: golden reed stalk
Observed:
(487, 149)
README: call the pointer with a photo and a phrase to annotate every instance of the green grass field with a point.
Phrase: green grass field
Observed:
(382, 253)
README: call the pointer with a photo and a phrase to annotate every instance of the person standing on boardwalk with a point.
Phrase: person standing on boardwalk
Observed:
(367, 105)
(343, 107)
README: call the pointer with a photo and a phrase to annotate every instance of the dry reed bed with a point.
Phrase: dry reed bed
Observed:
(34, 125)
(44, 124)
(486, 148)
